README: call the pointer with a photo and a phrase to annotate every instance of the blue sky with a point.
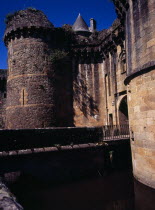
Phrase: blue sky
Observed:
(59, 12)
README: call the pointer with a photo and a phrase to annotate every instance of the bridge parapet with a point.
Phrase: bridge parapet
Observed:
(24, 139)
(38, 138)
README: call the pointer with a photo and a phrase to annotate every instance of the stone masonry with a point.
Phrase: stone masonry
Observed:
(29, 89)
(78, 76)
(139, 21)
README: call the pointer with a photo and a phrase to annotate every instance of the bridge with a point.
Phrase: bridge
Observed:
(61, 146)
(59, 138)
(19, 147)
(60, 154)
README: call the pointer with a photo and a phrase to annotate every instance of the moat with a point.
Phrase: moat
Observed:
(112, 190)
(91, 176)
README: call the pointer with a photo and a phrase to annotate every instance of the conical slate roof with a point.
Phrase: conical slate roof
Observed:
(80, 24)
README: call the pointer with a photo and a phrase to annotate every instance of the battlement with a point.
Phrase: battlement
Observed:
(121, 7)
(25, 21)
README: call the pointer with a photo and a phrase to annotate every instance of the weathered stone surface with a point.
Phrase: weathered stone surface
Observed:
(7, 199)
(88, 88)
(30, 100)
(142, 123)
(37, 88)
(3, 73)
(140, 40)
(27, 18)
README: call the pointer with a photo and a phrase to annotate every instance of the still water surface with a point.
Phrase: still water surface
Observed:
(112, 191)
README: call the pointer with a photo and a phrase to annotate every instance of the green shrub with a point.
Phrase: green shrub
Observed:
(58, 56)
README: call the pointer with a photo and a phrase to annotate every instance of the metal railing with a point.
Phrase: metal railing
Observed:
(115, 132)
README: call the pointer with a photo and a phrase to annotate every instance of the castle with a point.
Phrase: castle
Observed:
(77, 76)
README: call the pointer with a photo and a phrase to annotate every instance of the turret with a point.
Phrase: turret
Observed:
(80, 26)
(30, 89)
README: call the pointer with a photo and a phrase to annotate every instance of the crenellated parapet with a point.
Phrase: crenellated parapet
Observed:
(121, 7)
(27, 23)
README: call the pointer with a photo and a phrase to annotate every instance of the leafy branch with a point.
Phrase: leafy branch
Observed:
(58, 55)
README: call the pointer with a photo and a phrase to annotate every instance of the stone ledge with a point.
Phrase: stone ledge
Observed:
(145, 181)
(139, 71)
(21, 139)
(57, 148)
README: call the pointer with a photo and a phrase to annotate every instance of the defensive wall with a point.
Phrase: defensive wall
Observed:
(139, 20)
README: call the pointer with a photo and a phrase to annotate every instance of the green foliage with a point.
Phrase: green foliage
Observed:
(9, 17)
(32, 9)
(58, 56)
(67, 27)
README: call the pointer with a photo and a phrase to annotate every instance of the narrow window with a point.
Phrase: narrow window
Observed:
(23, 98)
(4, 94)
(108, 75)
(109, 86)
(110, 119)
(123, 66)
(122, 59)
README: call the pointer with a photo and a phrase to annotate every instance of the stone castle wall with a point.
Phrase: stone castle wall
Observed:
(30, 91)
(114, 88)
(140, 48)
(3, 73)
(80, 90)
(140, 34)
(88, 95)
(99, 70)
(141, 102)
(96, 91)
(141, 88)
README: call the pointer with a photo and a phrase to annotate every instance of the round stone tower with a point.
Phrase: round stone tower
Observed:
(139, 20)
(140, 41)
(30, 91)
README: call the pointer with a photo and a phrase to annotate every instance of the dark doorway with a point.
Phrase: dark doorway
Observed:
(110, 119)
(123, 112)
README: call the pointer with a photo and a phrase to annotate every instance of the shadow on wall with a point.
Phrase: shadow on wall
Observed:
(63, 93)
(86, 88)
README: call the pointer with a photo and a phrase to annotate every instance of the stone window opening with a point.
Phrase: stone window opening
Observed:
(109, 85)
(123, 66)
(23, 100)
(107, 65)
(4, 95)
(13, 62)
(23, 97)
(122, 60)
(111, 119)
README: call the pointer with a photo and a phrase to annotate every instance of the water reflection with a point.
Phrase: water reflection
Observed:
(114, 191)
(144, 197)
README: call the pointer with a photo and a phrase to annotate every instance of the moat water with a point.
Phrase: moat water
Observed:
(114, 190)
